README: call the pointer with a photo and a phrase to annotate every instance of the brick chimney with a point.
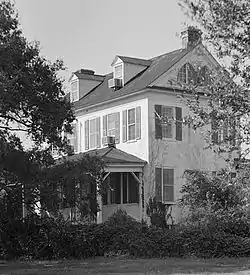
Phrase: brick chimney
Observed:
(191, 36)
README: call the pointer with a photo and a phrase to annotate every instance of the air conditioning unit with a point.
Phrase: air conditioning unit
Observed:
(108, 140)
(115, 83)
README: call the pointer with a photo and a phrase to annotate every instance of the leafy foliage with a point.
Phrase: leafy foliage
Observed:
(158, 212)
(72, 183)
(50, 238)
(219, 191)
(32, 101)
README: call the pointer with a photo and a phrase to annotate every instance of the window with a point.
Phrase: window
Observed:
(118, 71)
(73, 138)
(223, 132)
(203, 75)
(164, 184)
(168, 122)
(187, 74)
(74, 91)
(131, 124)
(124, 189)
(92, 133)
(111, 127)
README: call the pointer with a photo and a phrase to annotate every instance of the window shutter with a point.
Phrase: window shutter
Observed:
(117, 128)
(86, 129)
(105, 129)
(124, 126)
(214, 129)
(178, 117)
(138, 122)
(158, 125)
(158, 184)
(98, 130)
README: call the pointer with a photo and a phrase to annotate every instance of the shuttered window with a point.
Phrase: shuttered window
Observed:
(168, 122)
(111, 127)
(223, 132)
(92, 133)
(131, 124)
(164, 184)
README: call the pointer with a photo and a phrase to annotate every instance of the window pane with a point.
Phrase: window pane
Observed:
(167, 130)
(182, 77)
(168, 193)
(74, 86)
(124, 188)
(133, 189)
(115, 183)
(131, 132)
(92, 126)
(168, 177)
(131, 116)
(118, 71)
(167, 112)
(168, 185)
(111, 124)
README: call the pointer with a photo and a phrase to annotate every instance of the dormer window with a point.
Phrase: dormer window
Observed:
(187, 74)
(118, 71)
(74, 94)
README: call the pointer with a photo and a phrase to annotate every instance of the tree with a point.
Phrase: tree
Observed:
(31, 93)
(73, 183)
(32, 101)
(228, 93)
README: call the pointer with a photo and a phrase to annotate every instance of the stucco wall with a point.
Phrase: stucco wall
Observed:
(190, 153)
(139, 147)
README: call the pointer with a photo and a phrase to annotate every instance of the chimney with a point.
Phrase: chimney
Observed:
(86, 71)
(191, 36)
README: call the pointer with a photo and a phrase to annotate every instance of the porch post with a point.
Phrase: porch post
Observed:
(141, 195)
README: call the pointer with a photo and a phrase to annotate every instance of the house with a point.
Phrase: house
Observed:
(139, 105)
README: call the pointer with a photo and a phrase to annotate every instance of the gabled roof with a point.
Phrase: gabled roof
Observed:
(158, 66)
(109, 155)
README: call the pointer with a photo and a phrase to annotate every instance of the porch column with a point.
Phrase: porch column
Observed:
(99, 214)
(141, 195)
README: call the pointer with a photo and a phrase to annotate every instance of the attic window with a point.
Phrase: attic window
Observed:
(74, 91)
(187, 74)
(118, 71)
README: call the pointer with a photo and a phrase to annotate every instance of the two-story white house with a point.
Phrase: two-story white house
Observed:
(139, 105)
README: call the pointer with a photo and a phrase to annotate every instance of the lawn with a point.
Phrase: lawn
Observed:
(129, 266)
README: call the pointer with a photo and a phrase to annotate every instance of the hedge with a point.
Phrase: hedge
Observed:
(48, 238)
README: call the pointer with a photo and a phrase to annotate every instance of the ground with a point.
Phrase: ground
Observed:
(129, 266)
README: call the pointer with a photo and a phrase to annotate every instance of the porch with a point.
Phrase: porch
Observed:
(124, 176)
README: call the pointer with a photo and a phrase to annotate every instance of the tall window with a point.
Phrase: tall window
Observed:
(187, 74)
(73, 138)
(164, 184)
(74, 91)
(168, 122)
(92, 133)
(118, 71)
(131, 124)
(111, 127)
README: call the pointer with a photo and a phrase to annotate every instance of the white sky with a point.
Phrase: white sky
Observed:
(89, 33)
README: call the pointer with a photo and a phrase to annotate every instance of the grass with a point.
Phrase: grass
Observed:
(121, 266)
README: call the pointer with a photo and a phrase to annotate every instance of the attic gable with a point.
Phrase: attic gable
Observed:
(197, 58)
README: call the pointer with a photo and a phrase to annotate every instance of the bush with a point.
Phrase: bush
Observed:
(48, 238)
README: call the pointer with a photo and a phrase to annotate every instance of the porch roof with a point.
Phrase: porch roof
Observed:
(111, 155)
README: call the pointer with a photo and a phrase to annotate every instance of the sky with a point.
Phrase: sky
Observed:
(89, 33)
